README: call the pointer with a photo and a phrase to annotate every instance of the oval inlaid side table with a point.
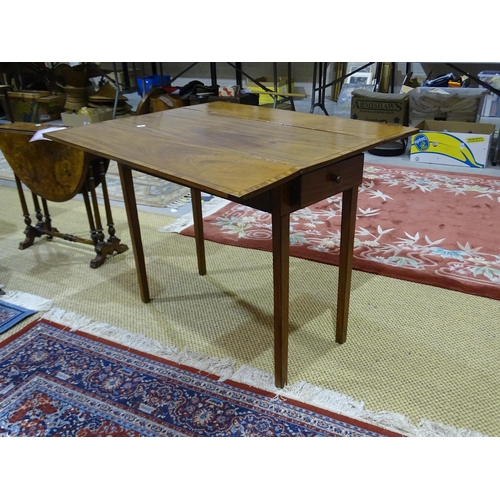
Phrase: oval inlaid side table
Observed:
(57, 173)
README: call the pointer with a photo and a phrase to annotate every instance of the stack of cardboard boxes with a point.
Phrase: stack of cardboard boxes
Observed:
(449, 130)
(36, 106)
(447, 118)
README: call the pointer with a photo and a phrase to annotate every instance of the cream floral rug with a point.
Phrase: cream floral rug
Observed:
(431, 227)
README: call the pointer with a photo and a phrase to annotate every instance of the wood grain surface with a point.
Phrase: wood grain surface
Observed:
(217, 147)
(53, 171)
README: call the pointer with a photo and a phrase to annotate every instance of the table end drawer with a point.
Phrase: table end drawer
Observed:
(330, 180)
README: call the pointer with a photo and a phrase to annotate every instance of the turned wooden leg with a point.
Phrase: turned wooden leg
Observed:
(348, 227)
(95, 208)
(107, 207)
(30, 232)
(90, 217)
(46, 216)
(102, 247)
(38, 209)
(44, 222)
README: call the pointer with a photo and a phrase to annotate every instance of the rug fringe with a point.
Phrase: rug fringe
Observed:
(433, 429)
(208, 208)
(27, 300)
(222, 368)
(347, 406)
(225, 369)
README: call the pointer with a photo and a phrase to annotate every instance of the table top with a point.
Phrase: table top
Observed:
(229, 149)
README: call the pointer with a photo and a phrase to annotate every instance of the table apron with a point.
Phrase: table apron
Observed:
(311, 187)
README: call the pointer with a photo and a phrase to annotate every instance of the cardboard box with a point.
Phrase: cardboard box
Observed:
(379, 107)
(268, 82)
(409, 83)
(494, 120)
(444, 103)
(50, 107)
(452, 143)
(36, 106)
(75, 120)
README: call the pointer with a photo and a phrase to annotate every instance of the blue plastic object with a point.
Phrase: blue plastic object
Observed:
(146, 84)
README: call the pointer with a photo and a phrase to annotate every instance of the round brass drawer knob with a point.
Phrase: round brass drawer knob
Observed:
(336, 178)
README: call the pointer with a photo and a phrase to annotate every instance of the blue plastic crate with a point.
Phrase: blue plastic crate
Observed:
(150, 82)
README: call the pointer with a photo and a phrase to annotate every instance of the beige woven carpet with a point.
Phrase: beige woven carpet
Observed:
(421, 351)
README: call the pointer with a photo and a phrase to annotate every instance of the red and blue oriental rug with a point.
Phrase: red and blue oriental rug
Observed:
(55, 382)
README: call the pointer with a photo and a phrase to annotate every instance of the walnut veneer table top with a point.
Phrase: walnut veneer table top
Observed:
(217, 146)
